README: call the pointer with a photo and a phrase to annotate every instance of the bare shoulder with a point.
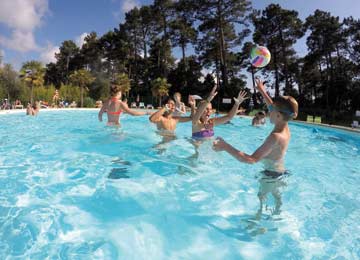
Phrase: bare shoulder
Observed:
(280, 138)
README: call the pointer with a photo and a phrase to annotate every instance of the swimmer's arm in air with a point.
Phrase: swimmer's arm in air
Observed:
(191, 102)
(203, 106)
(157, 116)
(222, 120)
(127, 110)
(263, 151)
(182, 108)
(261, 88)
(182, 119)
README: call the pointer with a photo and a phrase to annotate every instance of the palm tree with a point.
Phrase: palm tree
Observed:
(33, 74)
(81, 78)
(160, 88)
(123, 81)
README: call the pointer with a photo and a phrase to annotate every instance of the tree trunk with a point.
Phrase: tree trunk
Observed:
(254, 87)
(31, 93)
(82, 95)
(223, 66)
(277, 85)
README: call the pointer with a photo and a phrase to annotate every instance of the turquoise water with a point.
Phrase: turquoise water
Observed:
(73, 189)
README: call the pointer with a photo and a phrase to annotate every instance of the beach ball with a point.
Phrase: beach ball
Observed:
(260, 56)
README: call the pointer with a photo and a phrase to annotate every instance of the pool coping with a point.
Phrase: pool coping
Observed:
(17, 111)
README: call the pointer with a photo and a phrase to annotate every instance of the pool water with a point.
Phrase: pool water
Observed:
(72, 188)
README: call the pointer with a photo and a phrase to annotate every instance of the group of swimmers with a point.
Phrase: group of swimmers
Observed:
(271, 152)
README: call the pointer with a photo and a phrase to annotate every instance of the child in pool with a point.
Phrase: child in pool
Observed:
(273, 150)
(114, 107)
(259, 119)
(202, 124)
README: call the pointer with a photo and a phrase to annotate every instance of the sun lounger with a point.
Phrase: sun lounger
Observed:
(317, 120)
(310, 119)
(355, 124)
(133, 105)
(141, 105)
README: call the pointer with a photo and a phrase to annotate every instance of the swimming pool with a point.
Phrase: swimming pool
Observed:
(73, 189)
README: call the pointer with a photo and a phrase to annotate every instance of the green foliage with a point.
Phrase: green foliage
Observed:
(160, 87)
(44, 93)
(83, 79)
(278, 29)
(123, 81)
(89, 102)
(70, 93)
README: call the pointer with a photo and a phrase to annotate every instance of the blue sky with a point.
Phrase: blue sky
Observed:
(33, 29)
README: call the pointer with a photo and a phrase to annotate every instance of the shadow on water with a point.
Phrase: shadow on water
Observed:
(121, 170)
(247, 227)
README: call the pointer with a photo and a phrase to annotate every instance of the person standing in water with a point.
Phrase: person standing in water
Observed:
(203, 125)
(272, 151)
(114, 107)
(165, 120)
(180, 108)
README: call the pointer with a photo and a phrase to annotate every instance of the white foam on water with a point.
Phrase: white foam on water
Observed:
(200, 246)
(253, 251)
(81, 190)
(23, 200)
(198, 195)
(145, 240)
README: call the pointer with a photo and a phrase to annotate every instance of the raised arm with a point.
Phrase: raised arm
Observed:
(102, 110)
(127, 110)
(156, 117)
(191, 102)
(222, 120)
(203, 105)
(261, 88)
(260, 153)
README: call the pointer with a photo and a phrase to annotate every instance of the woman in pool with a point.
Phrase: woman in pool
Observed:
(202, 124)
(180, 108)
(114, 107)
(33, 110)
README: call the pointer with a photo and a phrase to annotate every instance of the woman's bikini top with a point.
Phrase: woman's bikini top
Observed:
(115, 112)
(206, 133)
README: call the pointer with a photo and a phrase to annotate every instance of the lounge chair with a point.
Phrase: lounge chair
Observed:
(355, 124)
(149, 106)
(133, 105)
(310, 119)
(317, 120)
(141, 105)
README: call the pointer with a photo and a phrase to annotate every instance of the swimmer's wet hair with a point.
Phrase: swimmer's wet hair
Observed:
(114, 89)
(288, 107)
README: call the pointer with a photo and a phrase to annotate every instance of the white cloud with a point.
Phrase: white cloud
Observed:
(48, 54)
(20, 41)
(22, 17)
(127, 5)
(81, 39)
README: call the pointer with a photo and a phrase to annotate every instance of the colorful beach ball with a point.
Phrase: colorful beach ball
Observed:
(260, 56)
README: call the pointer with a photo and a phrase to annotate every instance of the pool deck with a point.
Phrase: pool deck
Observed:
(17, 111)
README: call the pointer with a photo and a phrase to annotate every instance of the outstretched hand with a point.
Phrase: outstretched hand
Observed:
(241, 97)
(259, 84)
(191, 100)
(219, 144)
(212, 94)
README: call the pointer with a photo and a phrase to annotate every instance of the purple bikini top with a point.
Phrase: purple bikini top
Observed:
(203, 133)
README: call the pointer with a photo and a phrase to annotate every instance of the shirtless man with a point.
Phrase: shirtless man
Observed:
(164, 119)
